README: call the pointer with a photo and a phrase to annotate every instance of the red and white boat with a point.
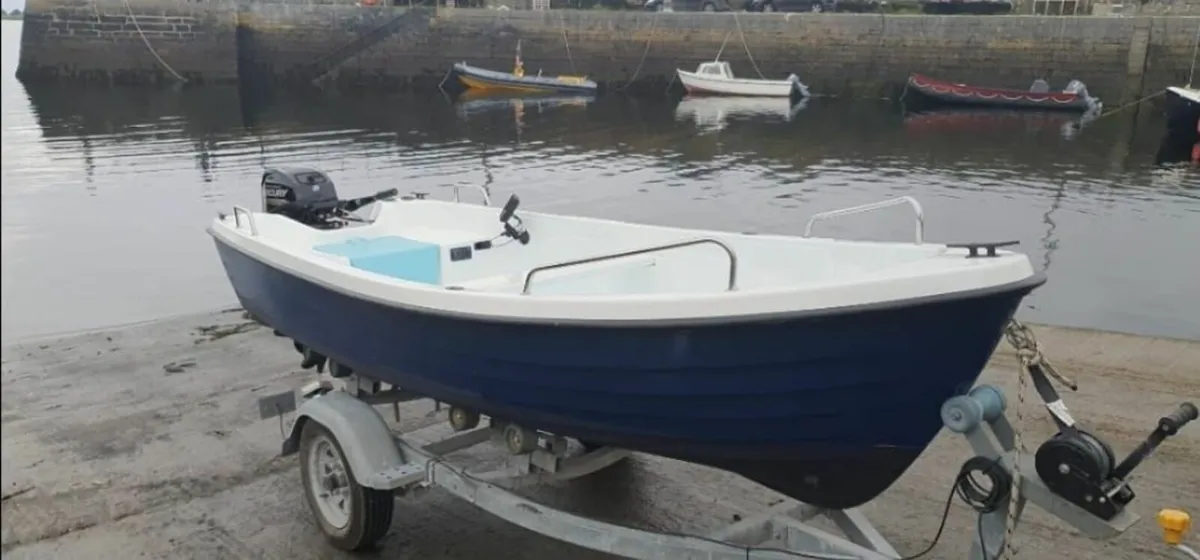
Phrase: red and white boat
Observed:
(1074, 97)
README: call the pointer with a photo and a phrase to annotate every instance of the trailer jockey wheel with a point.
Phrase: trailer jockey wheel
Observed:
(1079, 466)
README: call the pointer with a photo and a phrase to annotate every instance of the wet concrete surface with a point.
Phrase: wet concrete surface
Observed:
(145, 442)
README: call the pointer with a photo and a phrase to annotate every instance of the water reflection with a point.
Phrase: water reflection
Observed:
(476, 100)
(949, 121)
(711, 113)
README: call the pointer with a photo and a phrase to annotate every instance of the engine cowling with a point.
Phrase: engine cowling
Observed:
(300, 193)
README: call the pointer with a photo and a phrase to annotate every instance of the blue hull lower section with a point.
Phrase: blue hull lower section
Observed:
(1182, 117)
(829, 409)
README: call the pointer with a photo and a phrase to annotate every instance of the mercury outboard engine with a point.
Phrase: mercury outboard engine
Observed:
(309, 197)
(305, 195)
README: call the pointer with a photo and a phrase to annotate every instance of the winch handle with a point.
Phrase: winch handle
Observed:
(1168, 426)
(1175, 421)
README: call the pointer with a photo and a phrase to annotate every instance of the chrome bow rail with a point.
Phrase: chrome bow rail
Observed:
(916, 206)
(237, 220)
(487, 198)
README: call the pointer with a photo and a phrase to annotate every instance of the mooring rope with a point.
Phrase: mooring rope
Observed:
(1195, 48)
(674, 76)
(562, 23)
(747, 46)
(642, 62)
(138, 27)
(1029, 354)
(1130, 104)
(728, 34)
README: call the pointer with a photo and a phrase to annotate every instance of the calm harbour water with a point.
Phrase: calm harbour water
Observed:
(106, 192)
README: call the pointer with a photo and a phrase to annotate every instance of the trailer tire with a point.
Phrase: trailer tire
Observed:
(367, 511)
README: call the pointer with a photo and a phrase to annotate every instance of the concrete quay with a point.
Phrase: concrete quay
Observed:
(144, 442)
(295, 44)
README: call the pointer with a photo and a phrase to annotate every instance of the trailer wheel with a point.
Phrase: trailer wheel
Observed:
(520, 440)
(462, 419)
(353, 517)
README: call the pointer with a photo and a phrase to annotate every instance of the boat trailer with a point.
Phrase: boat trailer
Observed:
(353, 466)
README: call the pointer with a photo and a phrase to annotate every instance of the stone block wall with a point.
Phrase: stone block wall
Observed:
(1162, 7)
(112, 41)
(839, 54)
(287, 41)
(1172, 52)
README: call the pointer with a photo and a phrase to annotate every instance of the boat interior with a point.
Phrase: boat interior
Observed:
(471, 247)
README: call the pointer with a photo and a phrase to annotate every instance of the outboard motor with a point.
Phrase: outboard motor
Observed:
(302, 194)
(309, 197)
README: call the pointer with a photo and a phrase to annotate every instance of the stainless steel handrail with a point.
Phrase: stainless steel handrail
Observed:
(916, 206)
(487, 198)
(728, 251)
(249, 219)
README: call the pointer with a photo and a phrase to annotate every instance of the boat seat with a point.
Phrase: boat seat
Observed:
(390, 255)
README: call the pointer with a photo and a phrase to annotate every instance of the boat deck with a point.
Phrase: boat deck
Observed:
(144, 441)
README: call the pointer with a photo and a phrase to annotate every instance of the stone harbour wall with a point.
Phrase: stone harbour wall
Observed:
(113, 41)
(294, 43)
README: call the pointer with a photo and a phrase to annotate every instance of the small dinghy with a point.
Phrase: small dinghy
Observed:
(816, 367)
(716, 78)
(517, 82)
(1074, 97)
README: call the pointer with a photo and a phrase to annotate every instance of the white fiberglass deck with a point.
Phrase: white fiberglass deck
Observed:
(404, 258)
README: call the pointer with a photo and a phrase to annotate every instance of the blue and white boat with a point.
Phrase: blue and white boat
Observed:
(766, 355)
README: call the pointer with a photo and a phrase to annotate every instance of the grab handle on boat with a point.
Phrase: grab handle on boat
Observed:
(487, 198)
(916, 206)
(237, 220)
(707, 240)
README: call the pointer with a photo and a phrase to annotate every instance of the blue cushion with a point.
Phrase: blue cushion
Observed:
(391, 255)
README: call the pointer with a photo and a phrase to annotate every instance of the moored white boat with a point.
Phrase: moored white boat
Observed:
(764, 355)
(716, 78)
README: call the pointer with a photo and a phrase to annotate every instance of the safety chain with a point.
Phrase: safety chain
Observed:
(1029, 353)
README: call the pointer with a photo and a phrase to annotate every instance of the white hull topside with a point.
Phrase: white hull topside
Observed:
(776, 274)
(1190, 94)
(695, 83)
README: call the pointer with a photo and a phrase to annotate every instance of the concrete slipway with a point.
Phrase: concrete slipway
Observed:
(144, 442)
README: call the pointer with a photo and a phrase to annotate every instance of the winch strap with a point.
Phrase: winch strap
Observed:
(1054, 403)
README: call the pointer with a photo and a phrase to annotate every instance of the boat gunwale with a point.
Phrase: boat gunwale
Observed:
(1027, 284)
(735, 80)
